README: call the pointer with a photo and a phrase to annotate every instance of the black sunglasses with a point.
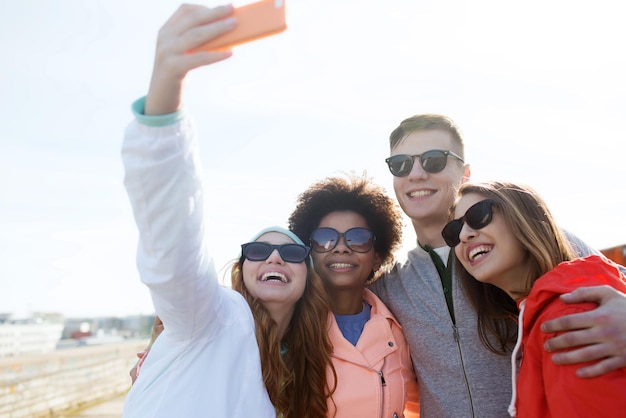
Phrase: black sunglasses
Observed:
(432, 161)
(260, 251)
(359, 240)
(478, 216)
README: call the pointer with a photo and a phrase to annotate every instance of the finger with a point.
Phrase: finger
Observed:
(197, 36)
(589, 294)
(195, 16)
(602, 367)
(580, 355)
(176, 24)
(133, 373)
(575, 339)
(191, 26)
(187, 14)
(182, 11)
(570, 322)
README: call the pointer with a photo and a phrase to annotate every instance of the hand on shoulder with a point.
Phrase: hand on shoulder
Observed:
(599, 334)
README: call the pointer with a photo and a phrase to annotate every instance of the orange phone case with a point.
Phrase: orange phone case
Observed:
(254, 21)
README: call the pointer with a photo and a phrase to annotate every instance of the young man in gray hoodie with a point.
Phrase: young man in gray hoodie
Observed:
(457, 374)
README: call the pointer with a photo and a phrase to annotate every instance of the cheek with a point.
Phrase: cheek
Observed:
(301, 272)
(518, 251)
(458, 252)
(369, 260)
(452, 183)
(318, 258)
(245, 269)
(398, 188)
(318, 265)
(499, 229)
(302, 276)
(397, 185)
(249, 275)
(324, 274)
(508, 239)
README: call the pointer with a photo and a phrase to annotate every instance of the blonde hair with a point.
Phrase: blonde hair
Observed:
(427, 122)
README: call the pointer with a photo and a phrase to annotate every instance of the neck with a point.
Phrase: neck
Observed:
(281, 315)
(429, 234)
(345, 301)
(518, 282)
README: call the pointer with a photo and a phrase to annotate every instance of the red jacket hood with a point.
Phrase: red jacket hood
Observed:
(588, 271)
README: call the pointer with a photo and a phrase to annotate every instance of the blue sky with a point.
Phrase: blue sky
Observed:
(537, 88)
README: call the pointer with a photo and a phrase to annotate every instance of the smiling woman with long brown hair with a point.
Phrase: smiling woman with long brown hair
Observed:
(513, 256)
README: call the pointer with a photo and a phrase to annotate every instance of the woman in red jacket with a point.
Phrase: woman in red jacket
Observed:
(515, 258)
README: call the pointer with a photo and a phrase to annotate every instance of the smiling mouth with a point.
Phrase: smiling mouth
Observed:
(340, 266)
(421, 193)
(478, 252)
(274, 276)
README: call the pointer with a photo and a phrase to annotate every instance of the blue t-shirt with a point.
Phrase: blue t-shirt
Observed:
(351, 326)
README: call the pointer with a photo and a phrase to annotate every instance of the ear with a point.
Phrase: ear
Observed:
(377, 262)
(466, 173)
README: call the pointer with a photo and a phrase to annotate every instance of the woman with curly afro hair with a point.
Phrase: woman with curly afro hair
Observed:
(353, 228)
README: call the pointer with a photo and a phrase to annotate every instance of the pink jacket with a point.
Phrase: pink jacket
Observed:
(375, 379)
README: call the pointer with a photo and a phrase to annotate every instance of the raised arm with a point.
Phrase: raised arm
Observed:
(163, 176)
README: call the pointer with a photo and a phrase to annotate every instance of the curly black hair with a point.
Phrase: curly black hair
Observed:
(354, 193)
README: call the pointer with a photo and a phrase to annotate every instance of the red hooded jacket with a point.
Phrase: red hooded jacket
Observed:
(545, 389)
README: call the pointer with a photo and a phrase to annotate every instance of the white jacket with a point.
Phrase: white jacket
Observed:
(206, 362)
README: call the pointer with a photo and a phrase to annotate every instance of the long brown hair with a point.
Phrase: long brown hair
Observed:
(530, 220)
(295, 380)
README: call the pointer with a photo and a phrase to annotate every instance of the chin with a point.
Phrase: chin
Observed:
(482, 278)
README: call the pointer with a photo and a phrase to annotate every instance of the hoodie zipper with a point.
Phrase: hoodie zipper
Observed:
(457, 339)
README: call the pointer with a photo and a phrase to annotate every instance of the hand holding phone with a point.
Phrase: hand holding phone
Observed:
(254, 21)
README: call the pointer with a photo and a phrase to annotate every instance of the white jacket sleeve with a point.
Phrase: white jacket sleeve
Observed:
(163, 182)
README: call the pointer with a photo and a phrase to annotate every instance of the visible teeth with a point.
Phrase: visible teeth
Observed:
(421, 193)
(340, 266)
(272, 275)
(478, 251)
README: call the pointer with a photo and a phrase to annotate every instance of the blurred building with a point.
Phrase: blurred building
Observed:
(35, 333)
(101, 330)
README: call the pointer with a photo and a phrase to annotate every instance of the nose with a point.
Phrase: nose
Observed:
(417, 171)
(275, 258)
(341, 246)
(467, 233)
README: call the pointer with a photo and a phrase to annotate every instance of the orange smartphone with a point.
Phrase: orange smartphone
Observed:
(254, 21)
